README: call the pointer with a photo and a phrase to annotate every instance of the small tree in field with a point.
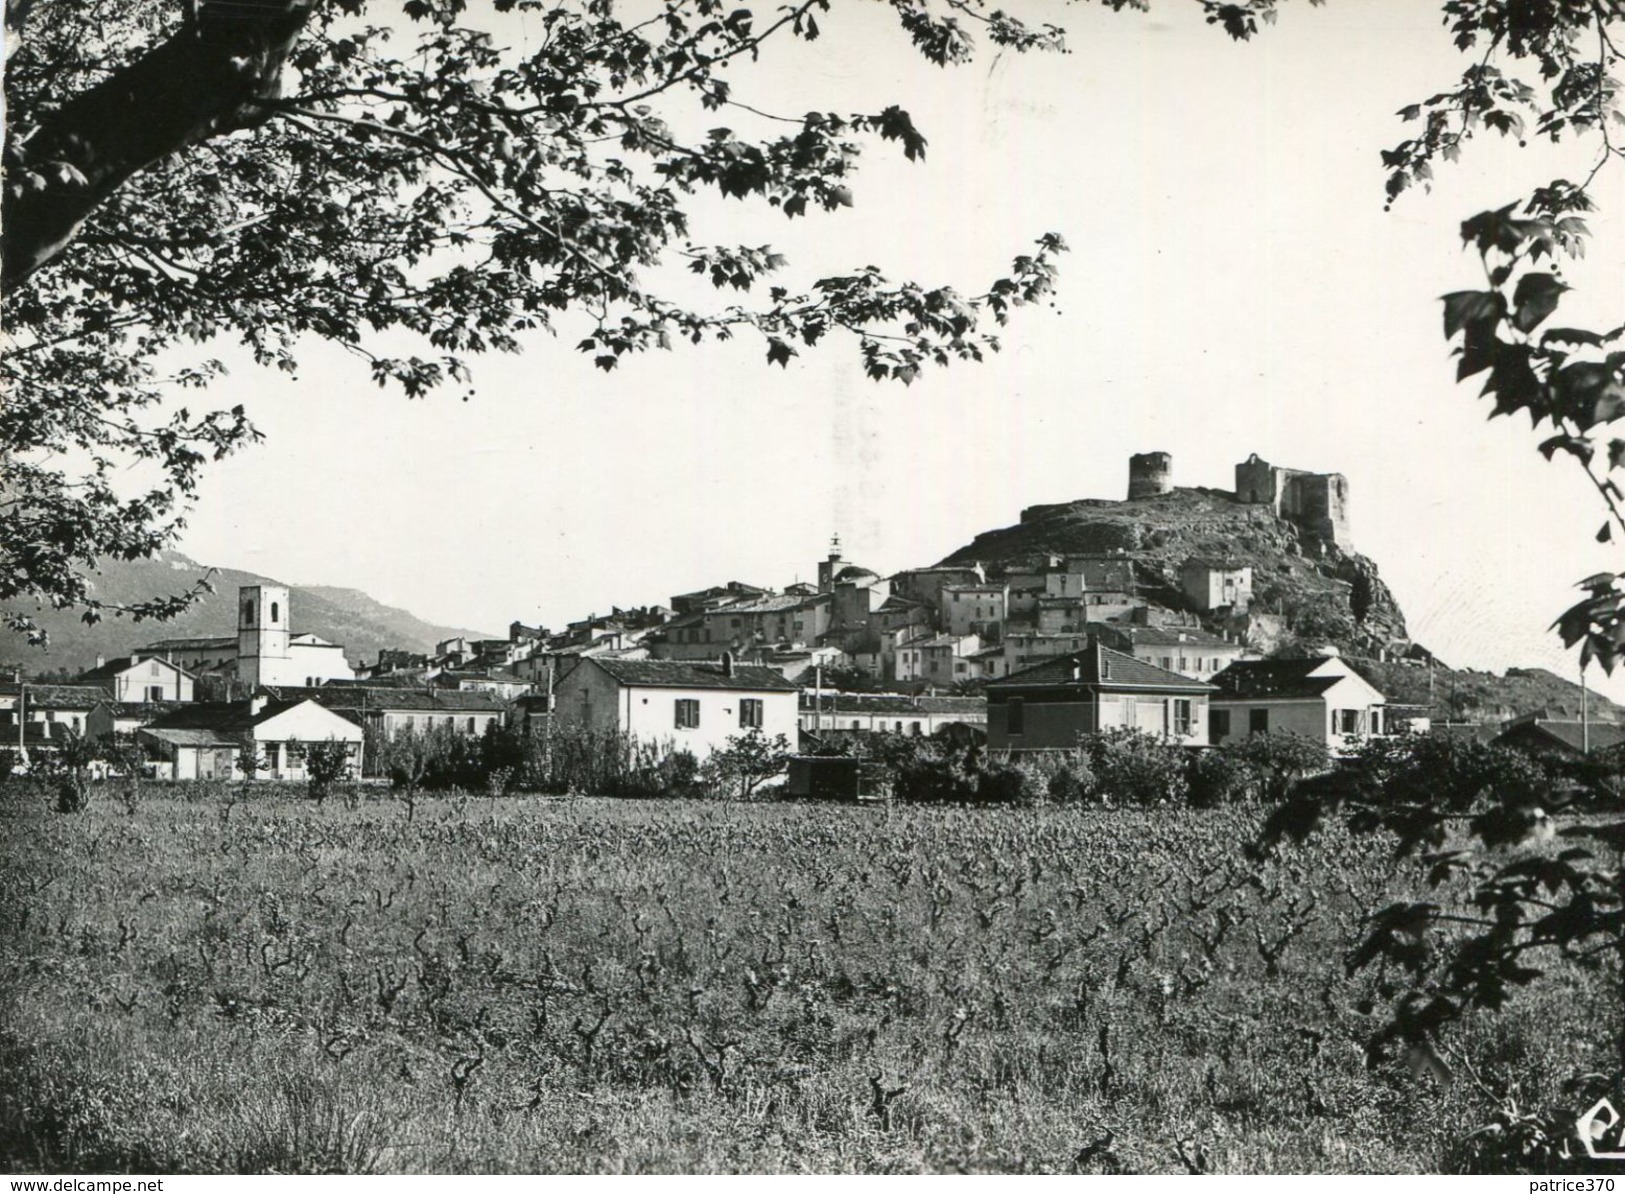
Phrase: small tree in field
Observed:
(326, 764)
(251, 760)
(748, 761)
(66, 771)
(125, 755)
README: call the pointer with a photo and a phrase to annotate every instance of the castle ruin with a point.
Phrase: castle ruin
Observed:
(1317, 502)
(1150, 474)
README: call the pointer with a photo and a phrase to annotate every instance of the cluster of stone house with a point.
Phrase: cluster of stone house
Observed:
(207, 708)
(1047, 706)
(1061, 644)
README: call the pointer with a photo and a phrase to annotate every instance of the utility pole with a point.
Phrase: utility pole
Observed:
(1585, 715)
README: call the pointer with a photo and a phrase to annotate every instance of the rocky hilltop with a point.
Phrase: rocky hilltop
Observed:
(1310, 587)
(1308, 582)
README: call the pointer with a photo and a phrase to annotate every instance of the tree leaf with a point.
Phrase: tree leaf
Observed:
(1535, 298)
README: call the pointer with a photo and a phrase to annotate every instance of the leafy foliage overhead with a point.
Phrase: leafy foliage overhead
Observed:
(267, 171)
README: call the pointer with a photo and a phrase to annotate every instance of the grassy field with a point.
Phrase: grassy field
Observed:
(611, 986)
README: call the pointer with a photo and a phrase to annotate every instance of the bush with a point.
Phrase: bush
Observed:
(1215, 777)
(1131, 767)
(1066, 778)
(1011, 783)
(1277, 760)
(923, 774)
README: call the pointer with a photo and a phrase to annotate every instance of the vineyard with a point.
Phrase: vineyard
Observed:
(259, 983)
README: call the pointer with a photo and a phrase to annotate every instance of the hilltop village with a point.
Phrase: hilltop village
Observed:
(1021, 651)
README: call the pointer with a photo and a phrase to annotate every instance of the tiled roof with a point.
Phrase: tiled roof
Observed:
(1169, 636)
(1570, 734)
(670, 673)
(895, 604)
(186, 736)
(192, 644)
(402, 679)
(395, 700)
(59, 696)
(222, 716)
(1277, 679)
(127, 709)
(769, 605)
(499, 675)
(1098, 667)
(890, 704)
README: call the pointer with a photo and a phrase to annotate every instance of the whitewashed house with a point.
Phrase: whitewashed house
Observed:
(689, 706)
(206, 740)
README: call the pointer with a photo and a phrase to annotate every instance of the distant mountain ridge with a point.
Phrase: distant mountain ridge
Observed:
(358, 622)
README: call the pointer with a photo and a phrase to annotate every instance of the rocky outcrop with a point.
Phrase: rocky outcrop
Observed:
(1316, 587)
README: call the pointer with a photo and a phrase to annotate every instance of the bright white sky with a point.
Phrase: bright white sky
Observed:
(1234, 286)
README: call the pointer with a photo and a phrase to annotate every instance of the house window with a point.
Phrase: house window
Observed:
(410, 721)
(1348, 721)
(750, 713)
(1015, 717)
(688, 713)
(1181, 711)
(154, 671)
(1218, 724)
(470, 725)
(914, 728)
(155, 692)
(1258, 721)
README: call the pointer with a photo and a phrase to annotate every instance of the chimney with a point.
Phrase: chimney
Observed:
(256, 705)
(101, 661)
(727, 663)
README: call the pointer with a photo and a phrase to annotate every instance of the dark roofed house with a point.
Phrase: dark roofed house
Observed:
(833, 713)
(688, 706)
(1047, 706)
(1187, 650)
(1321, 698)
(1543, 735)
(389, 710)
(67, 705)
(206, 740)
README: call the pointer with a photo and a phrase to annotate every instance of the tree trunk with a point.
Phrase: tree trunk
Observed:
(211, 77)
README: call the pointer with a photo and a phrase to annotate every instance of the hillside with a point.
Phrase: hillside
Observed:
(1295, 575)
(1466, 695)
(361, 624)
(1306, 582)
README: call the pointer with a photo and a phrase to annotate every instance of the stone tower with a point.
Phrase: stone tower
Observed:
(262, 634)
(1149, 474)
(828, 568)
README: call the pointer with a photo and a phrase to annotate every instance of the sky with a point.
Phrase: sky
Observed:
(1234, 286)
